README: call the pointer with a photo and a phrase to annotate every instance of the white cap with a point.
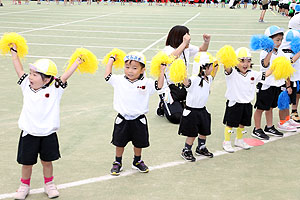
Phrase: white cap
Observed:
(273, 30)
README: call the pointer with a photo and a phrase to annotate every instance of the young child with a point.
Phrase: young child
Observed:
(131, 96)
(195, 120)
(39, 119)
(269, 90)
(241, 82)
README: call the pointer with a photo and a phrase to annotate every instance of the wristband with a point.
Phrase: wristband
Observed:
(12, 49)
(113, 58)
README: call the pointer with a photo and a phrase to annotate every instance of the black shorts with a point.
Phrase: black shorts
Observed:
(293, 96)
(246, 1)
(131, 130)
(30, 146)
(266, 99)
(285, 6)
(239, 113)
(254, 2)
(265, 7)
(195, 121)
(274, 3)
(280, 5)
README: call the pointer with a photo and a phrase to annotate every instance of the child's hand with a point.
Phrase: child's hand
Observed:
(186, 39)
(206, 38)
(289, 90)
(13, 47)
(79, 60)
(162, 68)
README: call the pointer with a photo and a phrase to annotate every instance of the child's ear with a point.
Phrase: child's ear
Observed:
(143, 70)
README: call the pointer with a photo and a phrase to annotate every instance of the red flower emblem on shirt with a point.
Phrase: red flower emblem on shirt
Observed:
(142, 87)
(47, 95)
(252, 78)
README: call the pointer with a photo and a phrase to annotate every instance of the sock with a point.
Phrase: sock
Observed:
(201, 143)
(282, 121)
(239, 133)
(189, 147)
(287, 118)
(119, 159)
(47, 180)
(227, 133)
(25, 181)
(136, 159)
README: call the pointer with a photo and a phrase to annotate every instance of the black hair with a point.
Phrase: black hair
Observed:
(141, 64)
(44, 76)
(175, 36)
(202, 72)
(276, 35)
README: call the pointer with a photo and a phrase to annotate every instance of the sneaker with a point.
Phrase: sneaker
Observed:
(295, 117)
(204, 152)
(140, 165)
(273, 131)
(116, 169)
(1, 4)
(51, 190)
(294, 124)
(227, 147)
(261, 21)
(160, 112)
(260, 134)
(286, 127)
(187, 155)
(22, 192)
(241, 143)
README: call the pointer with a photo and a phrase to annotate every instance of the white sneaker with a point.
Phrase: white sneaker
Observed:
(241, 143)
(22, 192)
(286, 127)
(51, 190)
(293, 123)
(227, 147)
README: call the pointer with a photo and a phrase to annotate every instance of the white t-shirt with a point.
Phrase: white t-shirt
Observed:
(197, 96)
(40, 112)
(294, 22)
(270, 80)
(131, 99)
(241, 88)
(188, 53)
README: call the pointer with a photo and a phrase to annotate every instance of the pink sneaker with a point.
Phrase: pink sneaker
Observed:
(293, 123)
(286, 127)
(51, 190)
(22, 192)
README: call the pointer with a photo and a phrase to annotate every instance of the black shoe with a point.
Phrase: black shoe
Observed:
(160, 112)
(260, 134)
(273, 131)
(116, 169)
(187, 155)
(140, 165)
(1, 4)
(204, 152)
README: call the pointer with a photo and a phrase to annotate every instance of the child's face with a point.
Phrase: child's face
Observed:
(133, 70)
(209, 69)
(36, 81)
(277, 40)
(244, 65)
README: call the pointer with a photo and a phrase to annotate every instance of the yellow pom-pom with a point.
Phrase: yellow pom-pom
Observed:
(120, 55)
(178, 71)
(215, 65)
(90, 61)
(227, 56)
(160, 58)
(17, 39)
(282, 68)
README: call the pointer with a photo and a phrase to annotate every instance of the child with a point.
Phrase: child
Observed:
(131, 97)
(240, 92)
(196, 121)
(39, 119)
(269, 90)
(178, 45)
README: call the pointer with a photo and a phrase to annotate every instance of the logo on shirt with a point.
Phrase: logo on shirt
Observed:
(252, 80)
(142, 87)
(47, 95)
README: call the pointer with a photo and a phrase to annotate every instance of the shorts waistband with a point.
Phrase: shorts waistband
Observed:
(190, 108)
(139, 117)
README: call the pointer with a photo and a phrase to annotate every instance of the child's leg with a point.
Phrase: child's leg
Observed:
(117, 164)
(269, 117)
(24, 188)
(47, 169)
(227, 143)
(239, 142)
(227, 133)
(119, 153)
(26, 172)
(201, 148)
(50, 188)
(138, 163)
(187, 153)
(257, 118)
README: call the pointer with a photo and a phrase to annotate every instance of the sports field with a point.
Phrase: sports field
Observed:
(54, 31)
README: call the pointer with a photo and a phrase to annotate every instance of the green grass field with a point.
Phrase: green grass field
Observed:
(54, 31)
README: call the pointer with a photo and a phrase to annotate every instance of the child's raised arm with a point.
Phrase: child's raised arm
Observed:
(160, 81)
(16, 60)
(204, 46)
(71, 70)
(268, 58)
(109, 65)
(295, 57)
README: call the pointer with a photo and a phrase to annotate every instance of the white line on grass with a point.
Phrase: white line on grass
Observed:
(63, 24)
(131, 171)
(8, 13)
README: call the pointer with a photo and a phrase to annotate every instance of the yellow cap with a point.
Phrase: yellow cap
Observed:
(45, 66)
(136, 56)
(243, 53)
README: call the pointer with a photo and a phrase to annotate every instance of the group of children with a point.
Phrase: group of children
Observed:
(184, 104)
